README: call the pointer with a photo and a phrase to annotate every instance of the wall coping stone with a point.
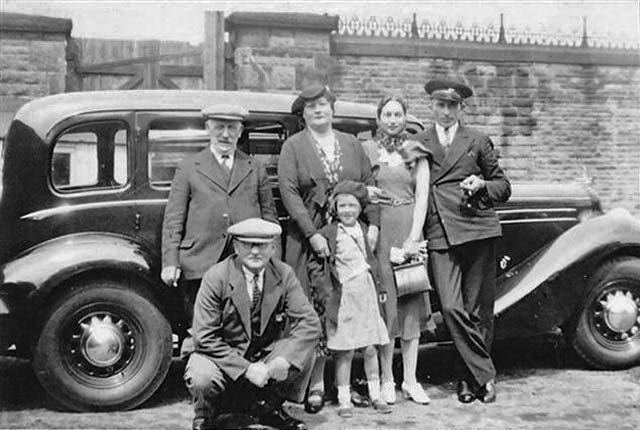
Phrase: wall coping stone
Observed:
(470, 51)
(24, 23)
(302, 21)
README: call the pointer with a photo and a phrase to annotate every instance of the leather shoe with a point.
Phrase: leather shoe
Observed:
(358, 400)
(487, 393)
(314, 402)
(465, 394)
(275, 416)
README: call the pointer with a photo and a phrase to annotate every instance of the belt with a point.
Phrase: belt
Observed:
(393, 202)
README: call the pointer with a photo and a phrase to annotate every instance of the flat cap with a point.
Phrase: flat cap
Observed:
(255, 230)
(312, 92)
(226, 112)
(443, 89)
(356, 189)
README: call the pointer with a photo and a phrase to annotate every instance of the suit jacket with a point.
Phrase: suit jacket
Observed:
(304, 189)
(203, 204)
(222, 317)
(452, 218)
(324, 277)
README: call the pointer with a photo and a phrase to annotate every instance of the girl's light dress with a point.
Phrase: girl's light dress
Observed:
(359, 320)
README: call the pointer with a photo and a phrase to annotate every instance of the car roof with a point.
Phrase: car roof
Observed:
(43, 113)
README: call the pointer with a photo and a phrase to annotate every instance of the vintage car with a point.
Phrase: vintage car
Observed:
(85, 181)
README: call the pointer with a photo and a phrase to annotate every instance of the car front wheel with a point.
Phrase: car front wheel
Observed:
(606, 330)
(103, 347)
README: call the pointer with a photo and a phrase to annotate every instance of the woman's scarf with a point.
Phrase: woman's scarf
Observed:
(391, 143)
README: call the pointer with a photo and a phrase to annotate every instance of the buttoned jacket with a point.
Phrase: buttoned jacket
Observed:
(204, 202)
(305, 190)
(222, 317)
(453, 218)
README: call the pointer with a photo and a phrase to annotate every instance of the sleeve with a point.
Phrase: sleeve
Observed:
(304, 328)
(372, 211)
(414, 150)
(498, 187)
(207, 326)
(175, 215)
(290, 189)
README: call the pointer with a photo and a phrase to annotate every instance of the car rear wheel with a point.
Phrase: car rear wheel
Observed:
(103, 347)
(606, 330)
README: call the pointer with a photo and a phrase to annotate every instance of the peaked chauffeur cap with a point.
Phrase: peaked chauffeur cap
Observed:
(443, 89)
(255, 230)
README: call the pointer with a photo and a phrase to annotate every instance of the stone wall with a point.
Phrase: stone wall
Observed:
(555, 114)
(33, 60)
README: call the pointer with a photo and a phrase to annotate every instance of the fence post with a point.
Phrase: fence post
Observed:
(150, 70)
(213, 50)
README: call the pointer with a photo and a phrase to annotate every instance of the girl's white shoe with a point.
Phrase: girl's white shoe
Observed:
(388, 392)
(415, 393)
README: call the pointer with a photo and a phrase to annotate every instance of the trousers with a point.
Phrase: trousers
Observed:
(464, 277)
(214, 392)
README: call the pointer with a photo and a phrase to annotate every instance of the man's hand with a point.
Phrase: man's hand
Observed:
(319, 245)
(170, 275)
(472, 184)
(278, 368)
(372, 236)
(258, 374)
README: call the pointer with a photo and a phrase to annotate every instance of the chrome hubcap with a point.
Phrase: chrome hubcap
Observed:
(617, 314)
(101, 345)
(102, 341)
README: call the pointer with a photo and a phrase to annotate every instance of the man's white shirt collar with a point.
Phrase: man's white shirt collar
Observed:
(248, 277)
(218, 156)
(442, 135)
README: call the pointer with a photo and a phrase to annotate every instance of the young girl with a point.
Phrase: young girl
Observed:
(347, 284)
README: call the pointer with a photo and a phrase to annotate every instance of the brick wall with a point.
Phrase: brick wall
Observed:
(554, 113)
(33, 60)
(550, 122)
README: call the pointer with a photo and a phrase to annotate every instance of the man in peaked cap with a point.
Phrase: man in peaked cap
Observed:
(461, 227)
(211, 190)
(254, 335)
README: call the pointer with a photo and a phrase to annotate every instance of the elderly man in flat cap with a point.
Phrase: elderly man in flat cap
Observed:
(254, 336)
(461, 227)
(211, 190)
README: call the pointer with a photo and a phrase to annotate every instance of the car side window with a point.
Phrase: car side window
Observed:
(89, 156)
(171, 140)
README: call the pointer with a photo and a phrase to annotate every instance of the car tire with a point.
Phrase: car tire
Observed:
(606, 330)
(103, 347)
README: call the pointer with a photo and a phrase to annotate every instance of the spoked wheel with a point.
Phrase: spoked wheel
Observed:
(606, 331)
(103, 347)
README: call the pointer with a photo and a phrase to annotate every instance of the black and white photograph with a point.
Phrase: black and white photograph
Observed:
(320, 215)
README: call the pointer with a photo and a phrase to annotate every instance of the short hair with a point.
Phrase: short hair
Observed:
(391, 98)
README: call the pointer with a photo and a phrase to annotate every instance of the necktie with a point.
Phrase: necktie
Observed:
(447, 138)
(226, 161)
(256, 293)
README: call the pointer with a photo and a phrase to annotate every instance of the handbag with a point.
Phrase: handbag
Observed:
(411, 278)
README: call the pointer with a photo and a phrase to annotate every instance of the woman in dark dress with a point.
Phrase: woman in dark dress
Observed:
(311, 163)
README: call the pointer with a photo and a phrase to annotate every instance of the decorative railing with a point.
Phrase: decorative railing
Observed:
(441, 30)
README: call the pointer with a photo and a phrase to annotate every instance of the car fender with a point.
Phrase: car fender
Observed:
(28, 279)
(613, 230)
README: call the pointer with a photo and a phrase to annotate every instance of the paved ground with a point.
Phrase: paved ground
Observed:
(541, 386)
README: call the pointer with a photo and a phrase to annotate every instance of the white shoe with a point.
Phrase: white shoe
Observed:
(415, 393)
(388, 392)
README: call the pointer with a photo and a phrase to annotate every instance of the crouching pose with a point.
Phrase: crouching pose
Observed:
(348, 287)
(254, 335)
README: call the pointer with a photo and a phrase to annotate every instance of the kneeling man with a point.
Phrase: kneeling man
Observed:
(254, 334)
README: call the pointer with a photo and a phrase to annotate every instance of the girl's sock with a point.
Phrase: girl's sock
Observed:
(344, 395)
(374, 388)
